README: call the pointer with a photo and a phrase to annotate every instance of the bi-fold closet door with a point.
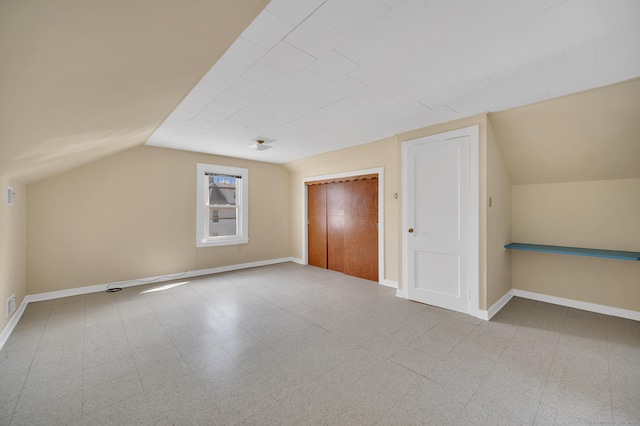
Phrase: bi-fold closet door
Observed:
(343, 226)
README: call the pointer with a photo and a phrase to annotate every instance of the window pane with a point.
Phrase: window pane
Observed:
(222, 222)
(222, 190)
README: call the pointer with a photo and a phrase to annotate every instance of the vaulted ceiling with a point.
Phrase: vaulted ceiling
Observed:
(82, 79)
(319, 75)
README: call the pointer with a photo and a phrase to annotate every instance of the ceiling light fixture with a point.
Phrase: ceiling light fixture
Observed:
(259, 145)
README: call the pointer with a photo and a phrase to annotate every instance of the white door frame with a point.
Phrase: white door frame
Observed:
(305, 199)
(473, 283)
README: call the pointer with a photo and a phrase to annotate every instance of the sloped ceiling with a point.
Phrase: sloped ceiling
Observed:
(80, 79)
(593, 135)
(320, 75)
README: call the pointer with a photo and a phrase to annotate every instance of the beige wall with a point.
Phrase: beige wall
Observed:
(381, 153)
(13, 249)
(481, 121)
(82, 80)
(132, 215)
(586, 136)
(498, 220)
(594, 214)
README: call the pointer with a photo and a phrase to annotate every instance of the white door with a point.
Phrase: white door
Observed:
(438, 208)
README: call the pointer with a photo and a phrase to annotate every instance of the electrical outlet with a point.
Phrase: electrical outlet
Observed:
(11, 304)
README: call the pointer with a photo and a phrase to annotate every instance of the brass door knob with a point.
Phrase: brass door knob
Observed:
(411, 230)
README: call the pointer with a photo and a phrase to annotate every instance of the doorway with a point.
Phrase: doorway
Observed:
(441, 219)
(343, 223)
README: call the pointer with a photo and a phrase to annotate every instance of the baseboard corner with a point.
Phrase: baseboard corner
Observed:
(389, 283)
(8, 329)
(496, 307)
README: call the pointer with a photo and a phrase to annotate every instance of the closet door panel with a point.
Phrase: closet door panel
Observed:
(336, 199)
(317, 227)
(361, 229)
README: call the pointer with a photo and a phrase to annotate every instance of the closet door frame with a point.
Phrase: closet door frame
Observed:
(381, 224)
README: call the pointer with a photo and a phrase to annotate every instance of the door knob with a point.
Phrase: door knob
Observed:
(411, 230)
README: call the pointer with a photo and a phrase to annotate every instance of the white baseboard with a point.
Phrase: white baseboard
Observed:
(389, 283)
(39, 297)
(402, 293)
(495, 308)
(578, 304)
(8, 329)
(570, 303)
(296, 260)
(150, 280)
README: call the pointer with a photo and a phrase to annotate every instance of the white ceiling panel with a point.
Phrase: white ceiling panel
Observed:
(392, 4)
(364, 47)
(497, 14)
(407, 21)
(244, 53)
(351, 16)
(265, 75)
(222, 109)
(459, 31)
(267, 30)
(332, 65)
(212, 85)
(335, 91)
(233, 99)
(286, 94)
(225, 71)
(447, 9)
(294, 12)
(287, 58)
(200, 97)
(571, 72)
(307, 81)
(315, 37)
(318, 75)
(247, 88)
(294, 111)
(248, 115)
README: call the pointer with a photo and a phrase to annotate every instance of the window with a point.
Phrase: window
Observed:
(222, 209)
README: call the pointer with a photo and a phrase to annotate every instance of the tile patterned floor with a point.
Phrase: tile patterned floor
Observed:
(287, 344)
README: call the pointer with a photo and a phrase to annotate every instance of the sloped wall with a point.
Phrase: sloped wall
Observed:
(592, 214)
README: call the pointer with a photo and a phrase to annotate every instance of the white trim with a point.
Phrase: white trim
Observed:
(495, 308)
(39, 297)
(296, 260)
(242, 206)
(150, 280)
(474, 212)
(8, 329)
(305, 215)
(402, 293)
(389, 283)
(578, 304)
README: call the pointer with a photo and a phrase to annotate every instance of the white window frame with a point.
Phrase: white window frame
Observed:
(202, 208)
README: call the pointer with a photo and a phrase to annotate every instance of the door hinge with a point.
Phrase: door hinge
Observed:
(308, 221)
(469, 293)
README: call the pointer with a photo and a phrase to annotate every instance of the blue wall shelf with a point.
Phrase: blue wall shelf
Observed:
(576, 251)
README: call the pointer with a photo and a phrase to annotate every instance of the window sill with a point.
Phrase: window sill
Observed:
(229, 242)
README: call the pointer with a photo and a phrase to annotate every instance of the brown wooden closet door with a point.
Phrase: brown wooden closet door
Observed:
(336, 199)
(317, 228)
(361, 229)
